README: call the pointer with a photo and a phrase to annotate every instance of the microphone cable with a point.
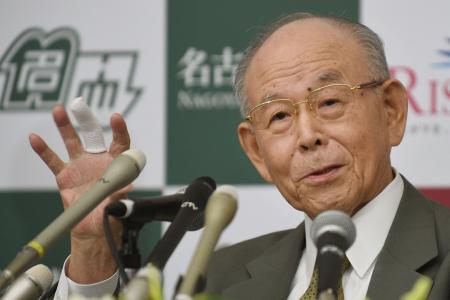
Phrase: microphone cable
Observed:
(113, 248)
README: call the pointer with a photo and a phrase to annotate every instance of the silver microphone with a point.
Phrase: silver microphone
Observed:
(219, 212)
(121, 172)
(31, 285)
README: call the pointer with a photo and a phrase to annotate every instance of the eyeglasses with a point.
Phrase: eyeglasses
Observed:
(327, 103)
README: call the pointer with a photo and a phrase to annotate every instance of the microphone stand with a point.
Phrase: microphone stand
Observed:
(129, 254)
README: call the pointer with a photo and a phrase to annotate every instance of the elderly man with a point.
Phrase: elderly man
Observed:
(322, 115)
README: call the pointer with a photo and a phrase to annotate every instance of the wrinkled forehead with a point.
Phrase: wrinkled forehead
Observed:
(311, 51)
(320, 79)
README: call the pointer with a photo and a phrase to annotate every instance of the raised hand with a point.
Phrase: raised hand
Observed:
(90, 258)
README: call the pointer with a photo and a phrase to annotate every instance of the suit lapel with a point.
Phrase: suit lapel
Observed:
(271, 273)
(410, 244)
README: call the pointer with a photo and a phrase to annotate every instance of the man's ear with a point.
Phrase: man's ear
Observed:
(395, 100)
(250, 145)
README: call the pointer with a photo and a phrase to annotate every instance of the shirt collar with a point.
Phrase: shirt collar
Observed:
(370, 232)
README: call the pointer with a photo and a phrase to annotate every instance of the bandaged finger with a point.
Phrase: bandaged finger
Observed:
(90, 130)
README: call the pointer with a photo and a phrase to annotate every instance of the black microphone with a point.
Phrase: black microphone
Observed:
(333, 232)
(147, 209)
(194, 202)
(160, 208)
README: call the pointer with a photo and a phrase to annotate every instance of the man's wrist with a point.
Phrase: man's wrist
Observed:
(90, 261)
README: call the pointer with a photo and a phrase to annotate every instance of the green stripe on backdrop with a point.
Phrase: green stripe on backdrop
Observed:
(204, 43)
(24, 214)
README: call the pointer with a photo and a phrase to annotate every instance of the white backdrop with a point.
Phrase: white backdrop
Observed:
(102, 26)
(414, 32)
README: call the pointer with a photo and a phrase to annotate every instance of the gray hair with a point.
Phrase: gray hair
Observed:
(364, 36)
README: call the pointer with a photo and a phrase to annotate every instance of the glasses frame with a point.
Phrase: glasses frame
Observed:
(370, 84)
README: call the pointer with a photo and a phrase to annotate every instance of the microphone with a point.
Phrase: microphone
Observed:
(159, 208)
(333, 232)
(146, 285)
(122, 171)
(219, 212)
(194, 202)
(31, 285)
(148, 278)
(142, 210)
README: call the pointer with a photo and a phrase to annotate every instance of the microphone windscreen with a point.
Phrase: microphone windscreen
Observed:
(30, 285)
(222, 206)
(335, 222)
(208, 180)
(199, 191)
(138, 156)
(42, 275)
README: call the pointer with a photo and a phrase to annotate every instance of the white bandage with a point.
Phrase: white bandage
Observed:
(90, 130)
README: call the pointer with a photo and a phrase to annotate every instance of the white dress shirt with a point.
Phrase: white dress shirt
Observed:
(370, 237)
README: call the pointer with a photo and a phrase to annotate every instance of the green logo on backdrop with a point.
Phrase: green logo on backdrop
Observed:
(42, 69)
(205, 43)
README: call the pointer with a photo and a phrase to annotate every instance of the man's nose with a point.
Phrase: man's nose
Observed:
(309, 129)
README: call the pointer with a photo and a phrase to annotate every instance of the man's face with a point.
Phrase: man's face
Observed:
(319, 165)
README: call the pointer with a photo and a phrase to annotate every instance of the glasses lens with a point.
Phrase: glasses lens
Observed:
(327, 103)
(276, 115)
(331, 102)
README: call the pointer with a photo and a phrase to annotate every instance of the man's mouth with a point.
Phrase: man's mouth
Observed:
(324, 173)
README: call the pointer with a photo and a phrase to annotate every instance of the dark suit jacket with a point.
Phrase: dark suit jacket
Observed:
(417, 245)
